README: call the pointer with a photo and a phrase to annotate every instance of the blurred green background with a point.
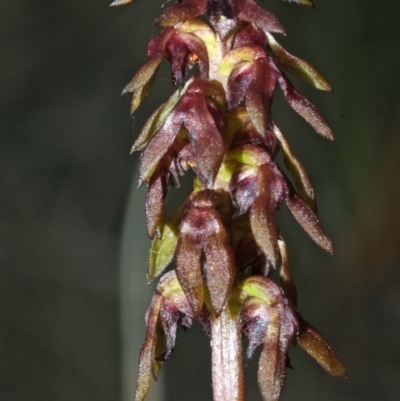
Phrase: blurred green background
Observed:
(72, 244)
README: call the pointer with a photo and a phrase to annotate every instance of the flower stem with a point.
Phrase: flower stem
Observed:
(227, 360)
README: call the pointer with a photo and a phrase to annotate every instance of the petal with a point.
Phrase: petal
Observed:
(181, 12)
(198, 48)
(205, 33)
(301, 105)
(253, 13)
(298, 66)
(146, 355)
(140, 83)
(157, 45)
(144, 75)
(139, 95)
(238, 83)
(188, 258)
(159, 145)
(147, 131)
(300, 175)
(259, 94)
(169, 317)
(155, 121)
(317, 347)
(243, 188)
(177, 53)
(309, 221)
(254, 319)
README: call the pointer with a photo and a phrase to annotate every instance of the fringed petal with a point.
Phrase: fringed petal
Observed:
(254, 319)
(244, 188)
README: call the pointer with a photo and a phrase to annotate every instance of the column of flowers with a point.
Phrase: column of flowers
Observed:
(223, 243)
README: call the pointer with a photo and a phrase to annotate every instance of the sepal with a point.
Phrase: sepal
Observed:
(203, 247)
(297, 66)
(316, 346)
(299, 174)
(302, 106)
(309, 221)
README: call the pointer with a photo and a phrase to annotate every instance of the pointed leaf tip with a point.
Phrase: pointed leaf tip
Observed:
(302, 106)
(300, 175)
(298, 66)
(147, 352)
(309, 221)
(307, 3)
(120, 2)
(317, 347)
(144, 75)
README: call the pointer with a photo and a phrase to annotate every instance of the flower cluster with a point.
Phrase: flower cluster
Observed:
(224, 240)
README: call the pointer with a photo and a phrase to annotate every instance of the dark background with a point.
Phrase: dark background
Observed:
(71, 302)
